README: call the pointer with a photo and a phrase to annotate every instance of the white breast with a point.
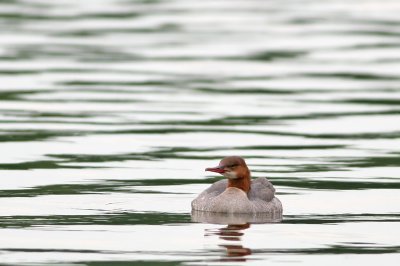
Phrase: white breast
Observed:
(219, 198)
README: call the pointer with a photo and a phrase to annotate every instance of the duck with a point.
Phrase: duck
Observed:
(238, 193)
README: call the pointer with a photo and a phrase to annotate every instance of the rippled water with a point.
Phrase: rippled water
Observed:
(110, 110)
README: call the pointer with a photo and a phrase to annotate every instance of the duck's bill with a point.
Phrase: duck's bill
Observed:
(218, 169)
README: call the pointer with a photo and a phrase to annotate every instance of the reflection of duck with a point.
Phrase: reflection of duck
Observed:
(234, 251)
(237, 194)
(236, 218)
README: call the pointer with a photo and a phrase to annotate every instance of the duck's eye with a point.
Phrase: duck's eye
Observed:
(232, 165)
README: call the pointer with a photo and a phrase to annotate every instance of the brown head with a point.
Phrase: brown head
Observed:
(234, 168)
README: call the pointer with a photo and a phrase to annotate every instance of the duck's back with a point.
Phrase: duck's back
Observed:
(262, 196)
(219, 198)
(262, 189)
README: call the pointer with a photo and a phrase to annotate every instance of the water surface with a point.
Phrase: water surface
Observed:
(110, 110)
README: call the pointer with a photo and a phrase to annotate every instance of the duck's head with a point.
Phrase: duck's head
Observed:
(232, 167)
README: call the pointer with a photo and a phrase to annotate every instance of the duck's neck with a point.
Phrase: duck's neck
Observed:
(240, 183)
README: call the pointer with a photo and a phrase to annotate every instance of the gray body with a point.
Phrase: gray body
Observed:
(219, 198)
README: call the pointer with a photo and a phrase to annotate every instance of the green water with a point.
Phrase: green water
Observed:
(110, 111)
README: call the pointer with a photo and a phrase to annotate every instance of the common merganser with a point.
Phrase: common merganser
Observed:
(238, 193)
